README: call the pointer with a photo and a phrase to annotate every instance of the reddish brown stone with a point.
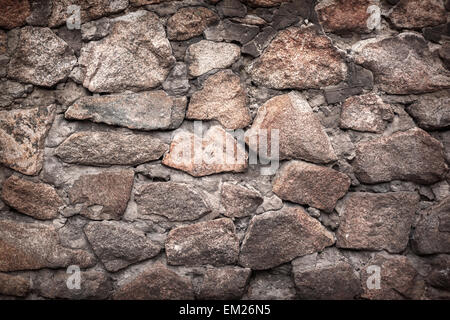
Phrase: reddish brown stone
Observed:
(416, 14)
(189, 22)
(224, 283)
(13, 13)
(11, 285)
(239, 201)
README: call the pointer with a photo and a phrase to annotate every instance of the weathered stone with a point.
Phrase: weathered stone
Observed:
(298, 58)
(264, 3)
(96, 30)
(277, 237)
(118, 245)
(437, 33)
(267, 286)
(156, 283)
(285, 16)
(432, 111)
(250, 19)
(365, 113)
(36, 48)
(256, 46)
(10, 91)
(212, 242)
(227, 283)
(175, 201)
(177, 82)
(36, 199)
(22, 136)
(189, 22)
(205, 56)
(109, 148)
(71, 37)
(136, 55)
(396, 158)
(444, 53)
(217, 151)
(376, 221)
(439, 276)
(432, 232)
(239, 201)
(232, 8)
(230, 31)
(222, 98)
(30, 246)
(11, 285)
(402, 64)
(305, 183)
(40, 12)
(13, 13)
(415, 14)
(104, 195)
(3, 42)
(301, 135)
(143, 111)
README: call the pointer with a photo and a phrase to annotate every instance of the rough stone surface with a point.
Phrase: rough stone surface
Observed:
(277, 237)
(104, 195)
(299, 58)
(189, 22)
(118, 245)
(212, 242)
(432, 111)
(175, 201)
(222, 98)
(267, 286)
(22, 136)
(151, 110)
(30, 246)
(227, 283)
(11, 285)
(232, 8)
(38, 200)
(415, 14)
(136, 55)
(264, 3)
(376, 221)
(109, 148)
(13, 13)
(176, 82)
(239, 201)
(305, 183)
(396, 158)
(256, 46)
(231, 31)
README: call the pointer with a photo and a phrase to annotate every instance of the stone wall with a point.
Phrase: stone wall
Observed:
(94, 112)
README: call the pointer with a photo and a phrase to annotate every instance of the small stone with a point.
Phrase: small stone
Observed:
(376, 221)
(214, 152)
(301, 135)
(232, 8)
(226, 283)
(11, 285)
(177, 82)
(432, 232)
(69, 92)
(104, 195)
(118, 245)
(298, 58)
(175, 201)
(310, 184)
(189, 22)
(222, 98)
(277, 237)
(22, 136)
(256, 46)
(416, 14)
(230, 31)
(437, 33)
(267, 286)
(212, 242)
(285, 16)
(239, 201)
(264, 3)
(156, 283)
(96, 30)
(205, 56)
(432, 111)
(110, 148)
(151, 110)
(367, 113)
(395, 158)
(13, 13)
(36, 199)
(30, 60)
(340, 92)
(40, 12)
(31, 246)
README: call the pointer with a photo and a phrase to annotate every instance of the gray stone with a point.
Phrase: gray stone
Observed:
(95, 30)
(229, 31)
(226, 283)
(256, 46)
(232, 8)
(432, 111)
(267, 286)
(177, 82)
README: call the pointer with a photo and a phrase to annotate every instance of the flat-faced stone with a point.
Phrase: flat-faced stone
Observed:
(214, 152)
(136, 55)
(175, 201)
(212, 242)
(416, 14)
(432, 111)
(402, 64)
(13, 13)
(395, 157)
(268, 286)
(176, 82)
(277, 237)
(298, 58)
(301, 135)
(109, 148)
(232, 8)
(35, 49)
(239, 201)
(151, 110)
(376, 221)
(230, 31)
(256, 46)
(36, 199)
(156, 283)
(189, 22)
(11, 285)
(30, 246)
(366, 112)
(222, 98)
(104, 195)
(305, 183)
(22, 136)
(118, 245)
(432, 232)
(226, 283)
(205, 56)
